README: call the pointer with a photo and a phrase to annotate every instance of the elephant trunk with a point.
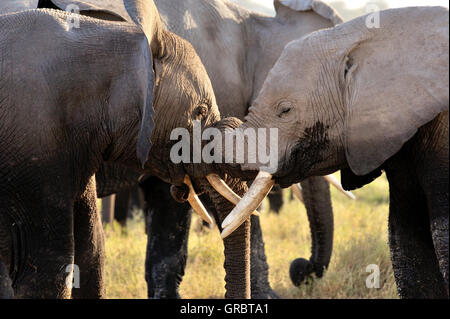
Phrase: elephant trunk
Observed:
(237, 245)
(317, 199)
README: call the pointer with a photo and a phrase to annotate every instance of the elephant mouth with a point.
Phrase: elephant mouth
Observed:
(297, 162)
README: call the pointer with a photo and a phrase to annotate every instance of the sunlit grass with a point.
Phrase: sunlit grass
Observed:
(360, 240)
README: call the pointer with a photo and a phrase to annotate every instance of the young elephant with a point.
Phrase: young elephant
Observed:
(372, 99)
(74, 92)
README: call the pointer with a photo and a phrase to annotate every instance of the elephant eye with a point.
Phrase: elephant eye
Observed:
(284, 108)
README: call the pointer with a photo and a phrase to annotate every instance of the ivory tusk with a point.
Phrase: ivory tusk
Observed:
(223, 189)
(297, 190)
(195, 202)
(259, 189)
(335, 182)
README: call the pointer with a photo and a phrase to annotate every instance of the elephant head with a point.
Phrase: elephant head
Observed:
(176, 88)
(361, 97)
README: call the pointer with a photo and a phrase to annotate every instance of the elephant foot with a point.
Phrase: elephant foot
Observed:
(265, 294)
(300, 270)
(163, 294)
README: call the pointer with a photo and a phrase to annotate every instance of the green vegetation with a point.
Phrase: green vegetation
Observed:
(360, 240)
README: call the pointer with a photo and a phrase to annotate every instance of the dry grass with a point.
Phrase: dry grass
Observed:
(360, 239)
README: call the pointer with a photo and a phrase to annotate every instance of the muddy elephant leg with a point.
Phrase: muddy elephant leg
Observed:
(121, 207)
(89, 246)
(275, 198)
(317, 199)
(167, 224)
(259, 269)
(6, 291)
(414, 261)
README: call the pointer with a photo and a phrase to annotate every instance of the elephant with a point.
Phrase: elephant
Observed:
(238, 48)
(374, 99)
(64, 111)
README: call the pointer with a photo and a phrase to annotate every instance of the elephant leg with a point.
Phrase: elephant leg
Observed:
(6, 291)
(276, 199)
(317, 198)
(89, 247)
(108, 209)
(121, 207)
(6, 240)
(439, 222)
(259, 271)
(414, 261)
(440, 235)
(137, 200)
(167, 224)
(43, 250)
(434, 182)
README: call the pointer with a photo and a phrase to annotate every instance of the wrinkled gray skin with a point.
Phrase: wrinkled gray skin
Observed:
(48, 216)
(369, 104)
(238, 48)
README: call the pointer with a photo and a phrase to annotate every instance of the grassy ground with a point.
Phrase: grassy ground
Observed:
(360, 240)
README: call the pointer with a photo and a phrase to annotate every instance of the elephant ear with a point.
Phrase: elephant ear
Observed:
(85, 9)
(145, 15)
(318, 6)
(397, 81)
(350, 181)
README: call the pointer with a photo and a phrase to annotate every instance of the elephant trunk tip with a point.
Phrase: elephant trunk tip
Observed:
(301, 270)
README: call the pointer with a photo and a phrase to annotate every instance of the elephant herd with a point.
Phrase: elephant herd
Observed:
(91, 93)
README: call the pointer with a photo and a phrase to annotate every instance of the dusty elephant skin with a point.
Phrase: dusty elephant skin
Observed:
(374, 99)
(81, 112)
(238, 48)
